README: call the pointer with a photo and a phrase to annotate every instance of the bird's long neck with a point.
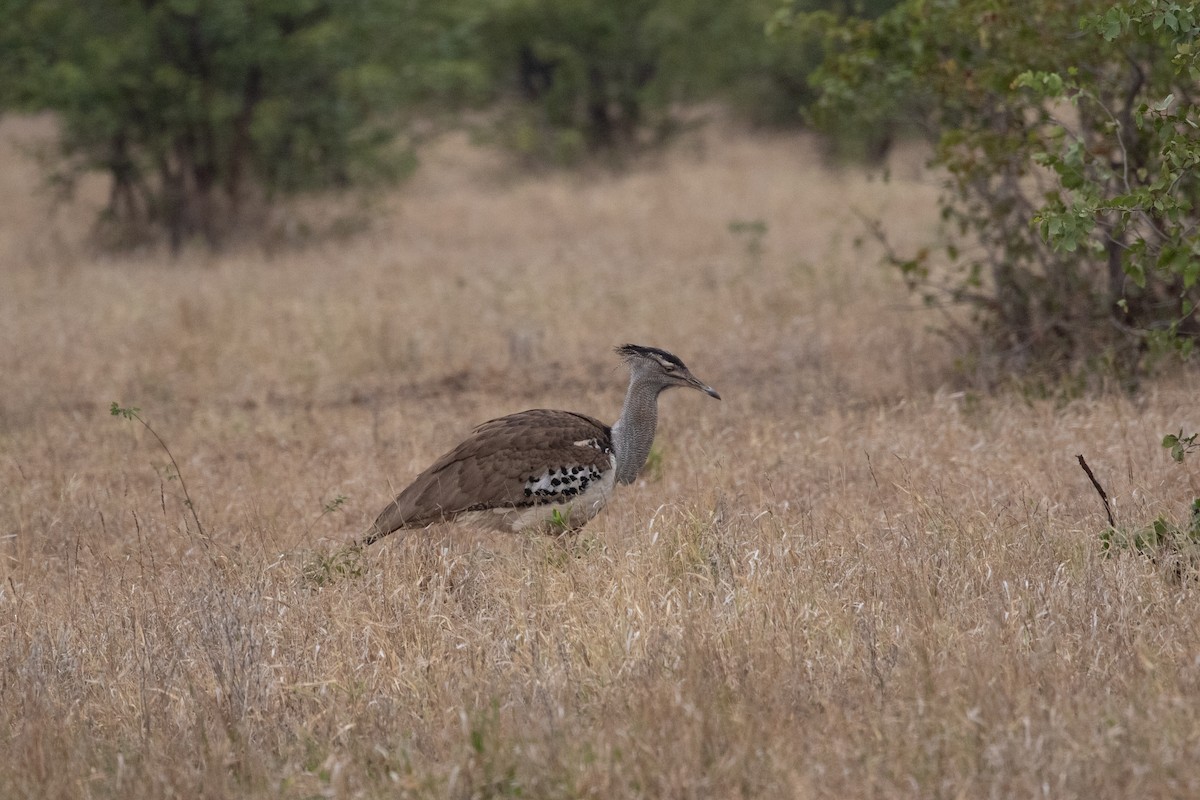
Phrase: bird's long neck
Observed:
(633, 433)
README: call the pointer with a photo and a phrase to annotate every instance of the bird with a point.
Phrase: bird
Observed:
(542, 469)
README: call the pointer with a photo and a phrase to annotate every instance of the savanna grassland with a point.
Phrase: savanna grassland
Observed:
(855, 576)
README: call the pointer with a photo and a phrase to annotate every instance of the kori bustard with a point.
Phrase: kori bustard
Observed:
(542, 468)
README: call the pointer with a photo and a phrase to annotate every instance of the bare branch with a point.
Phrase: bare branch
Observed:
(1100, 489)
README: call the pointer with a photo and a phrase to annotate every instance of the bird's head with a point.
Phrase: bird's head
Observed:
(656, 366)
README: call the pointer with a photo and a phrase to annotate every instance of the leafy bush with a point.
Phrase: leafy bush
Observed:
(1067, 134)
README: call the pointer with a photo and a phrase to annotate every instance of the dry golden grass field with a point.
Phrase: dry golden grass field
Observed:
(853, 577)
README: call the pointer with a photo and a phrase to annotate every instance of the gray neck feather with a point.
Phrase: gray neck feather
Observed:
(633, 433)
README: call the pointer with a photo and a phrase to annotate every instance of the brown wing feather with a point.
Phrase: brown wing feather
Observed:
(489, 469)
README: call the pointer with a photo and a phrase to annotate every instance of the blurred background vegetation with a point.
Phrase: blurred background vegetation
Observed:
(1065, 131)
(197, 107)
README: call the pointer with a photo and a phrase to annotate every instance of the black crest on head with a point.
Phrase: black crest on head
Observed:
(628, 351)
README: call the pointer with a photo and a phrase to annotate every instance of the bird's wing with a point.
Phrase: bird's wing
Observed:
(510, 462)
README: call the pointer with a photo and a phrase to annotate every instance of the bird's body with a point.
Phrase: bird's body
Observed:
(541, 468)
(513, 473)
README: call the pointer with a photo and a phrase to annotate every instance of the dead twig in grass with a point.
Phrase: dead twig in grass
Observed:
(1099, 489)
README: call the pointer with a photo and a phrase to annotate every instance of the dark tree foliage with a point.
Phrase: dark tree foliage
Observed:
(192, 105)
(608, 75)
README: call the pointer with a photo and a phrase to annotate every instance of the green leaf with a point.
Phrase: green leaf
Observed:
(117, 411)
(1137, 273)
(1112, 25)
(1190, 273)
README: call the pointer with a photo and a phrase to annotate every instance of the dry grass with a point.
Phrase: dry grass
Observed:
(849, 581)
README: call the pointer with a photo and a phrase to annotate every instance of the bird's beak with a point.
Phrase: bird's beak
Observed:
(696, 384)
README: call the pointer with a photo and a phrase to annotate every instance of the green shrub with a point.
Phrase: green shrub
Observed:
(1162, 541)
(1067, 134)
